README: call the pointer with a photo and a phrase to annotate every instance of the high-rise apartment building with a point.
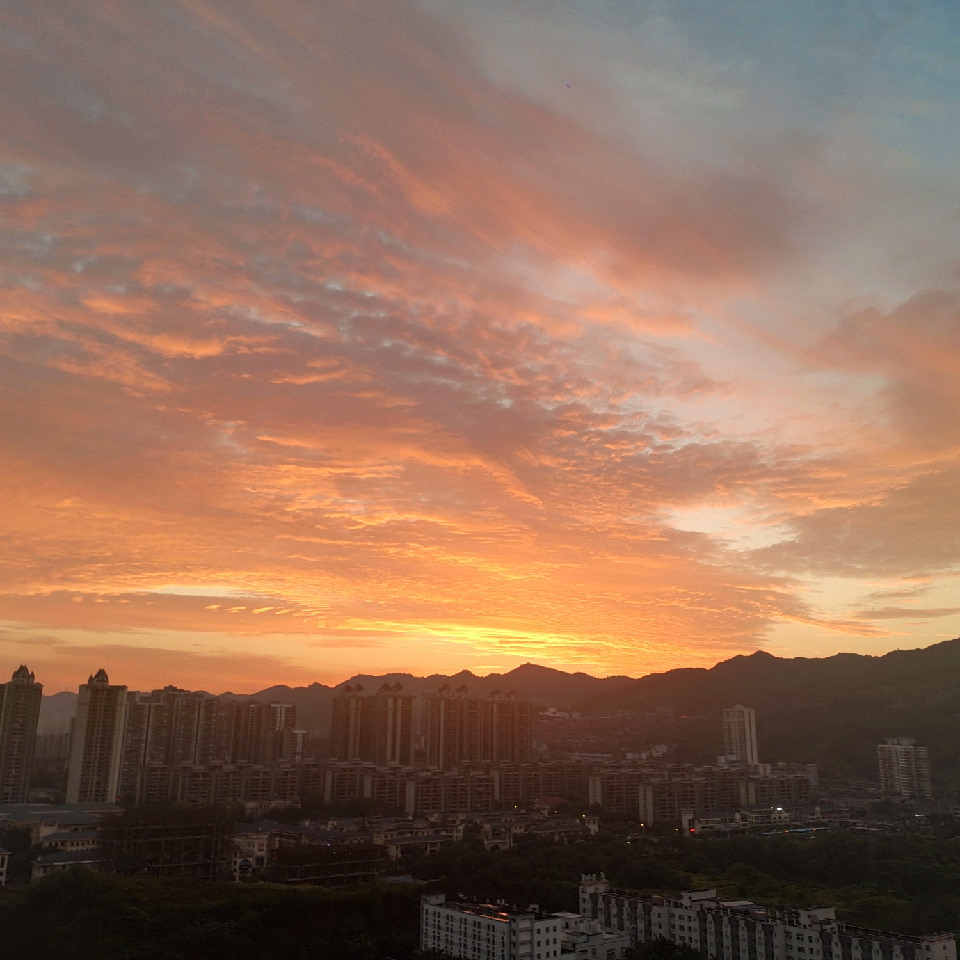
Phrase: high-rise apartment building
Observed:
(377, 728)
(462, 729)
(260, 732)
(165, 727)
(740, 735)
(281, 741)
(19, 710)
(904, 769)
(454, 728)
(96, 751)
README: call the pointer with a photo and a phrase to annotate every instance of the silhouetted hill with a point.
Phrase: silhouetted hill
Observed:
(312, 703)
(541, 685)
(56, 712)
(832, 711)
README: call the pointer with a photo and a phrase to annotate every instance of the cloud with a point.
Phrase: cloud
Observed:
(357, 311)
(906, 613)
(61, 664)
(914, 349)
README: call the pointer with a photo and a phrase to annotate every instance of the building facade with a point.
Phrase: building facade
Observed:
(656, 792)
(904, 770)
(466, 928)
(374, 728)
(739, 930)
(461, 729)
(167, 727)
(96, 750)
(19, 710)
(740, 735)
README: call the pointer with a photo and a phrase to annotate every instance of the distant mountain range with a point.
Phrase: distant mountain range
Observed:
(832, 711)
(543, 685)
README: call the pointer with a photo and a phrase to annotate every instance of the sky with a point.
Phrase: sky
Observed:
(345, 336)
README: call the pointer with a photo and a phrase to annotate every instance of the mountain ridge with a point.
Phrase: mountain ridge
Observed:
(827, 710)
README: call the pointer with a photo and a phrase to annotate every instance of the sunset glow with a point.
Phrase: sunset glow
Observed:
(349, 336)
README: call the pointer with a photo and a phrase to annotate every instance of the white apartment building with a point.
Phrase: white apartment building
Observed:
(740, 735)
(740, 930)
(904, 769)
(495, 931)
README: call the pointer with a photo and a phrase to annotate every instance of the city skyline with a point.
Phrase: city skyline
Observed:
(418, 337)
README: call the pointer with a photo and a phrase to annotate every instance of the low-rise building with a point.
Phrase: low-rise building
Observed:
(475, 930)
(45, 819)
(64, 860)
(162, 844)
(339, 865)
(251, 849)
(741, 930)
(71, 840)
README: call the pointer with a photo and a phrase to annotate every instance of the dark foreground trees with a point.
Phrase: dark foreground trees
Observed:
(662, 950)
(903, 882)
(81, 915)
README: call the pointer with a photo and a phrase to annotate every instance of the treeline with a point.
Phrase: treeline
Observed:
(909, 883)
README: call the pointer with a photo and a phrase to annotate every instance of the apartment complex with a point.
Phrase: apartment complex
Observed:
(152, 747)
(171, 733)
(456, 754)
(740, 930)
(457, 729)
(19, 710)
(654, 792)
(904, 770)
(165, 727)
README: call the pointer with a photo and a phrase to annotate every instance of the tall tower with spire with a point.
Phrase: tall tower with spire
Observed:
(96, 750)
(19, 710)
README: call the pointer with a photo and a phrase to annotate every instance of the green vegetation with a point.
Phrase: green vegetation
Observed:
(80, 915)
(903, 882)
(17, 841)
(662, 950)
(906, 882)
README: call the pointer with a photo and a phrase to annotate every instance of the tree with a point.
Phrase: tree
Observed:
(661, 949)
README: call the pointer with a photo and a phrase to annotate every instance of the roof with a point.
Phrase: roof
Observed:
(71, 835)
(67, 856)
(56, 812)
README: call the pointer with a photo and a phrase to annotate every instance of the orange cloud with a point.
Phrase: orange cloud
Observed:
(308, 304)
